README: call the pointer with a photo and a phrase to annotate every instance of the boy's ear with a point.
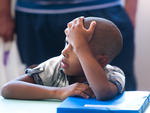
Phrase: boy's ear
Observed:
(103, 60)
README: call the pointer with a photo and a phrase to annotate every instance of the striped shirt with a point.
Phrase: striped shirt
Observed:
(62, 6)
(50, 74)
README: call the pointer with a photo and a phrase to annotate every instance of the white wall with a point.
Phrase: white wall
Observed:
(142, 59)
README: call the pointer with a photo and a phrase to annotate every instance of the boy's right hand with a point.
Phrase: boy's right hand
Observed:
(77, 35)
(76, 89)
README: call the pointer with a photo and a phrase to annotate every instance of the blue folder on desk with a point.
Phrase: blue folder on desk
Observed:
(128, 102)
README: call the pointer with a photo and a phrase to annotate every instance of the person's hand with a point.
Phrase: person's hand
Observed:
(6, 28)
(76, 89)
(131, 7)
(77, 35)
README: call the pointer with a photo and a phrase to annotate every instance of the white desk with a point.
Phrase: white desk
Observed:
(32, 106)
(28, 106)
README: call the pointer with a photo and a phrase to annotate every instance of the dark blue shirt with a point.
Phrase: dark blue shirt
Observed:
(63, 6)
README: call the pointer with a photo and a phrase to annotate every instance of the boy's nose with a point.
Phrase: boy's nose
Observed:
(65, 51)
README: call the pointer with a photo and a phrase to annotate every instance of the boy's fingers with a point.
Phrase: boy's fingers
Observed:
(78, 20)
(69, 24)
(92, 26)
(82, 94)
(83, 87)
(66, 31)
(81, 19)
(74, 21)
(89, 92)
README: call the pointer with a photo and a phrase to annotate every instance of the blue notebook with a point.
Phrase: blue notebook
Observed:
(128, 102)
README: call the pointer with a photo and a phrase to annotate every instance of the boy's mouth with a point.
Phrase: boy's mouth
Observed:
(64, 64)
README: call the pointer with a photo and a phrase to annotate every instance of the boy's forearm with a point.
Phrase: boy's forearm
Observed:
(95, 74)
(24, 90)
(5, 7)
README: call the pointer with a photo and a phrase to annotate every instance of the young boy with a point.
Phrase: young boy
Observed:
(82, 68)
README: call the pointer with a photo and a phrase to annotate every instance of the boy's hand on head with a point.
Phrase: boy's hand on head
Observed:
(77, 35)
(76, 89)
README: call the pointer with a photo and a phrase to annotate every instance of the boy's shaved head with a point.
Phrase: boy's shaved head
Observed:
(107, 39)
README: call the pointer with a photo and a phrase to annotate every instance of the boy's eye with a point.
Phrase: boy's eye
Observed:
(66, 42)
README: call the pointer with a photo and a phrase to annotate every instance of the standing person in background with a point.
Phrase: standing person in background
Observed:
(131, 7)
(41, 23)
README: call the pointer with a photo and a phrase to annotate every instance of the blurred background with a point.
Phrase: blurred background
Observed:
(142, 46)
(142, 39)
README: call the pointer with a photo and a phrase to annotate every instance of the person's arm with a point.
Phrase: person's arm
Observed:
(131, 9)
(25, 88)
(95, 74)
(6, 21)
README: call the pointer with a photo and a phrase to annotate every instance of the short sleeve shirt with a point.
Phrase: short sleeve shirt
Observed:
(50, 74)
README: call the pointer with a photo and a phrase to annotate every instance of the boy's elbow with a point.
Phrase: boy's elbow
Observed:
(6, 91)
(105, 95)
(103, 98)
